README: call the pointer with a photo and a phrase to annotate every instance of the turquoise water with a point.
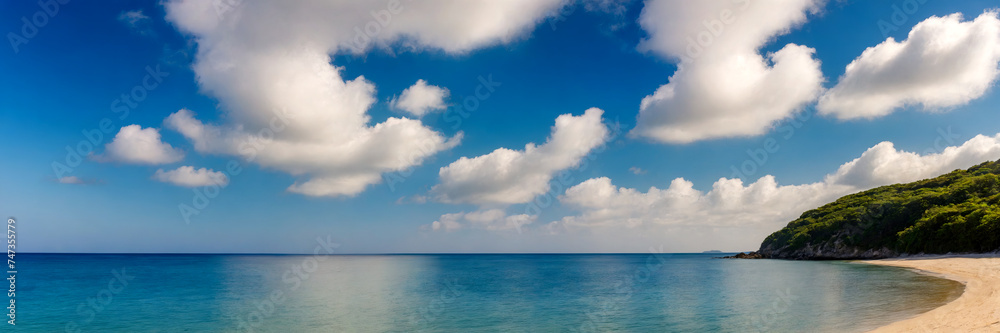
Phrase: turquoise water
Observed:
(463, 293)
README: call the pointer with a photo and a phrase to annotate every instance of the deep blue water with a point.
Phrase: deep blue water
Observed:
(462, 293)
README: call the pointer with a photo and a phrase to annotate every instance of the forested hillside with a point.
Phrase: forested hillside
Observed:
(956, 212)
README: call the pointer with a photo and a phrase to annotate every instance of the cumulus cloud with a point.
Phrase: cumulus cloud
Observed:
(448, 222)
(765, 203)
(491, 219)
(507, 176)
(335, 165)
(188, 176)
(943, 62)
(137, 145)
(884, 164)
(729, 203)
(420, 99)
(261, 57)
(723, 86)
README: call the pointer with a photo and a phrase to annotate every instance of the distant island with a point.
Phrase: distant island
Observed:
(712, 251)
(958, 212)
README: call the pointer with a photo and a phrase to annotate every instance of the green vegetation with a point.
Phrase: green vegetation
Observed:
(956, 212)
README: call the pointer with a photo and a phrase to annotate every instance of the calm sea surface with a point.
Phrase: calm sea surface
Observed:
(462, 293)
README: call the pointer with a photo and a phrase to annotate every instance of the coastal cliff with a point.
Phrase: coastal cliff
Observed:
(958, 212)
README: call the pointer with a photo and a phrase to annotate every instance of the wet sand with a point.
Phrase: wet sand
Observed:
(977, 310)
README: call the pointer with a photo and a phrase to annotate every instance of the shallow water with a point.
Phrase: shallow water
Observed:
(464, 293)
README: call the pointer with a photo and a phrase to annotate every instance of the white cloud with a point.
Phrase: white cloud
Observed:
(259, 56)
(448, 222)
(188, 176)
(508, 176)
(763, 205)
(133, 17)
(70, 180)
(883, 164)
(943, 62)
(723, 86)
(336, 165)
(137, 145)
(420, 99)
(491, 219)
(729, 203)
(637, 171)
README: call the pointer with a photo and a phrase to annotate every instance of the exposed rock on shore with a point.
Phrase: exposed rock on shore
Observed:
(747, 255)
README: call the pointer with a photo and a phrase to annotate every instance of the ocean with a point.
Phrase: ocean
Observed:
(463, 293)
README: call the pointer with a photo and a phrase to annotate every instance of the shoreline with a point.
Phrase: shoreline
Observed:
(976, 310)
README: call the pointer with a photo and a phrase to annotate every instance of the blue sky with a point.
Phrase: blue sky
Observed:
(65, 80)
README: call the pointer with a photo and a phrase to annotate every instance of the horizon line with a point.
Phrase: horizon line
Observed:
(373, 253)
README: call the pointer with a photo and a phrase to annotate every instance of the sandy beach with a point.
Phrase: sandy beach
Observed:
(977, 310)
